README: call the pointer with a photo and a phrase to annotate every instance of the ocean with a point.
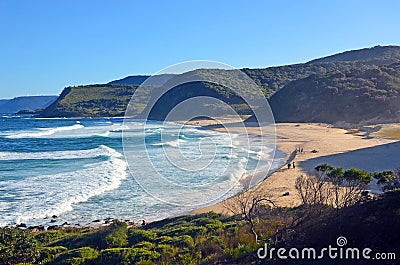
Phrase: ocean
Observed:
(84, 169)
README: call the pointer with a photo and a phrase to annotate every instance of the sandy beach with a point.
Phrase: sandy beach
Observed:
(365, 148)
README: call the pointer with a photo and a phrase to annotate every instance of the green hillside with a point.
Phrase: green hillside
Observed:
(354, 87)
(355, 96)
(91, 101)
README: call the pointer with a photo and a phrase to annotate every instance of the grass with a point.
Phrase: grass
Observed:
(392, 133)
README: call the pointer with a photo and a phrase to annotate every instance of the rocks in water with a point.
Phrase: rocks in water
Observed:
(109, 220)
(21, 225)
(53, 220)
(54, 216)
(96, 221)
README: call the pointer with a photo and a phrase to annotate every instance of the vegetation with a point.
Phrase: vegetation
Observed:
(215, 239)
(390, 133)
(91, 101)
(388, 179)
(17, 246)
(358, 96)
(194, 239)
(353, 87)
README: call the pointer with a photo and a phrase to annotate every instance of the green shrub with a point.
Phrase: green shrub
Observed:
(118, 235)
(336, 173)
(48, 254)
(48, 237)
(324, 168)
(17, 246)
(84, 255)
(239, 251)
(136, 235)
(134, 255)
(184, 241)
(164, 240)
(189, 258)
(355, 174)
(145, 244)
(165, 249)
(384, 176)
(185, 230)
(111, 256)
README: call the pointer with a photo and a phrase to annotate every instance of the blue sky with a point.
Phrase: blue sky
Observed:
(47, 45)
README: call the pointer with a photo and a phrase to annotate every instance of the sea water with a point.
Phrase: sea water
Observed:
(76, 169)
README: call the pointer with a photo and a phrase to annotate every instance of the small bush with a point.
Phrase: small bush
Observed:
(186, 230)
(136, 235)
(82, 255)
(118, 235)
(111, 256)
(145, 244)
(49, 237)
(17, 246)
(134, 255)
(48, 254)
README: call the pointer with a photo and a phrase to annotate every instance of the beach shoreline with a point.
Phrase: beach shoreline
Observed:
(335, 146)
(321, 143)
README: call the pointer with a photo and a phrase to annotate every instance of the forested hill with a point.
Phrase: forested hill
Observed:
(358, 96)
(346, 72)
(377, 55)
(139, 79)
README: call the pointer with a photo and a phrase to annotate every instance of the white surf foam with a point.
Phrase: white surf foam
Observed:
(44, 132)
(48, 195)
(102, 150)
(175, 143)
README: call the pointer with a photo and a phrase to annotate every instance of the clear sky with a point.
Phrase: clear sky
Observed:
(47, 45)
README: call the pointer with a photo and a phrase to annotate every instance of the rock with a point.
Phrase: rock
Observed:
(53, 220)
(66, 223)
(54, 227)
(54, 216)
(96, 221)
(21, 225)
(108, 220)
(37, 228)
(286, 194)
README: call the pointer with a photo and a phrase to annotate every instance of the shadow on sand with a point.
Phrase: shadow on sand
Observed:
(379, 157)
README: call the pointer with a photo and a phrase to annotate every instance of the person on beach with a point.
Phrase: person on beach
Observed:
(294, 166)
(143, 222)
(289, 165)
